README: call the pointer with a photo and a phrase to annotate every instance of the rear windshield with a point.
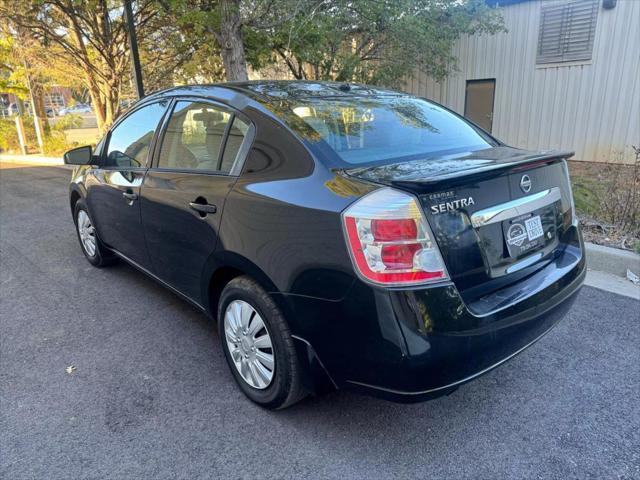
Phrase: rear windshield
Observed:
(365, 130)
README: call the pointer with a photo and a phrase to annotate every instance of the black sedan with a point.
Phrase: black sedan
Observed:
(343, 236)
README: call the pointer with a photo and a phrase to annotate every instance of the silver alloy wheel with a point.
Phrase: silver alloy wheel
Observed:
(87, 233)
(249, 344)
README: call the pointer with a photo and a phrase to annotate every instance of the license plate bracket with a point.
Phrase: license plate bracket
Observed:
(526, 234)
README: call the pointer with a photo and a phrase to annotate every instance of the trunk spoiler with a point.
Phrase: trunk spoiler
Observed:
(437, 169)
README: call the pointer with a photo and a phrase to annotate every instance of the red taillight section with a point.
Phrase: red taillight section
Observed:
(390, 241)
(397, 257)
(392, 230)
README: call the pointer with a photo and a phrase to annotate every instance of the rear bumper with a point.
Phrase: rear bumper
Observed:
(450, 360)
(411, 345)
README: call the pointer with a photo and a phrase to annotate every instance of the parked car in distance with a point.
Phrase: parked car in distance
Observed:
(12, 109)
(343, 236)
(78, 108)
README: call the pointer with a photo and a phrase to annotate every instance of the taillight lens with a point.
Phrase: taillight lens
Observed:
(390, 241)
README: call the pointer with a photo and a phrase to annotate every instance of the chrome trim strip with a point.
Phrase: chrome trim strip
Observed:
(511, 209)
(524, 263)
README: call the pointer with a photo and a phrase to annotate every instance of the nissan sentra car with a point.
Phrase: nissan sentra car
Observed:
(343, 236)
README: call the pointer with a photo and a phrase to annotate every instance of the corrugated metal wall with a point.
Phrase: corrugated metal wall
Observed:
(592, 108)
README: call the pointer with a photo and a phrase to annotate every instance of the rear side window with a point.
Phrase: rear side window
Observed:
(195, 138)
(130, 140)
(370, 130)
(237, 134)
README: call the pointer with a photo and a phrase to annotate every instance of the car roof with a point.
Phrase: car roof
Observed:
(296, 89)
(268, 92)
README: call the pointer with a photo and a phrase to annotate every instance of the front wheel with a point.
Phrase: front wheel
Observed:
(93, 249)
(258, 345)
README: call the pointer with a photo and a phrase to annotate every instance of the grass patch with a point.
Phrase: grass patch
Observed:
(586, 195)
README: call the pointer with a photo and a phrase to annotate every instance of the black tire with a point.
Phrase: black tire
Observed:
(102, 256)
(286, 387)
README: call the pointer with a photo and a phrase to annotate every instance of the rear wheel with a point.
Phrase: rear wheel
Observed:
(93, 249)
(258, 345)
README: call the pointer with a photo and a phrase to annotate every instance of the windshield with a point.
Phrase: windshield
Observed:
(371, 130)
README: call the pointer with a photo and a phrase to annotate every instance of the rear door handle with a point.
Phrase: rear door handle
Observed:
(132, 197)
(203, 208)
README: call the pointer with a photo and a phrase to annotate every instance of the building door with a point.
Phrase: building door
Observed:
(478, 104)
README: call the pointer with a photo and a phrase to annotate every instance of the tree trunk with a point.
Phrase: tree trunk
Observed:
(96, 103)
(230, 38)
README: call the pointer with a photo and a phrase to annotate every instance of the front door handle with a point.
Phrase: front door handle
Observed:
(203, 207)
(132, 197)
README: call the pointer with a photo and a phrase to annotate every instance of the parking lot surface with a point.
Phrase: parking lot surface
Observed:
(105, 374)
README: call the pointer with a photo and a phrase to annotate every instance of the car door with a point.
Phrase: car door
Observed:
(114, 190)
(183, 194)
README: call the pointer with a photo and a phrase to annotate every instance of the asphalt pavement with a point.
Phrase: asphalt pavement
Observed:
(104, 374)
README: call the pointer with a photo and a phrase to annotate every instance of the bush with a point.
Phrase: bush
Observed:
(55, 142)
(72, 120)
(9, 141)
(607, 199)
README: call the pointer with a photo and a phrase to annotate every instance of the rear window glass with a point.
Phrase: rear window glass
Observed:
(364, 130)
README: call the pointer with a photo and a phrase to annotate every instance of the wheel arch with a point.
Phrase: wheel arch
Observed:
(75, 194)
(221, 268)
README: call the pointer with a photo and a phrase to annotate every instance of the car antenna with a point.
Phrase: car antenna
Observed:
(345, 87)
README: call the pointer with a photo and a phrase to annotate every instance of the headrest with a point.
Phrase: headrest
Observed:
(208, 117)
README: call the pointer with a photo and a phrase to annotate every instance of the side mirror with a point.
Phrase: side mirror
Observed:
(79, 156)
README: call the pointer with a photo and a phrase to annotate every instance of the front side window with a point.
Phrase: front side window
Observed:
(371, 130)
(195, 138)
(130, 140)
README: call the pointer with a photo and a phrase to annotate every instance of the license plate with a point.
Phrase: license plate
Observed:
(523, 235)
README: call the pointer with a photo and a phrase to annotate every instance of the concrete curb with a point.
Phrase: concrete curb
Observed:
(612, 260)
(612, 283)
(31, 159)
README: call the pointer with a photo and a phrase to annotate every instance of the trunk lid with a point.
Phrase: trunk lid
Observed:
(497, 214)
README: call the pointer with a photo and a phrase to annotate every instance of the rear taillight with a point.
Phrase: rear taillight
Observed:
(390, 241)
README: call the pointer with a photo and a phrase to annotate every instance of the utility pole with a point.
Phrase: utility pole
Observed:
(133, 46)
(37, 108)
(22, 135)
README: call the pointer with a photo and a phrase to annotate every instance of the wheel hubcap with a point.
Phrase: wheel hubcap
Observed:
(249, 343)
(87, 233)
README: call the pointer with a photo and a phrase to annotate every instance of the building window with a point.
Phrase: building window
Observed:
(55, 100)
(567, 31)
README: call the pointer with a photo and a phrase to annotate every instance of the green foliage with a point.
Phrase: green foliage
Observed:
(586, 195)
(12, 77)
(368, 41)
(9, 136)
(55, 142)
(72, 120)
(379, 42)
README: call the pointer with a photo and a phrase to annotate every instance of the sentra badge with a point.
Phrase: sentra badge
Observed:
(448, 202)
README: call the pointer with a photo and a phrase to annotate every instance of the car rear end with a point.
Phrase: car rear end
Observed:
(466, 251)
(489, 269)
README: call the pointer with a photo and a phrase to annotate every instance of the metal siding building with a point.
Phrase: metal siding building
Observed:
(590, 106)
